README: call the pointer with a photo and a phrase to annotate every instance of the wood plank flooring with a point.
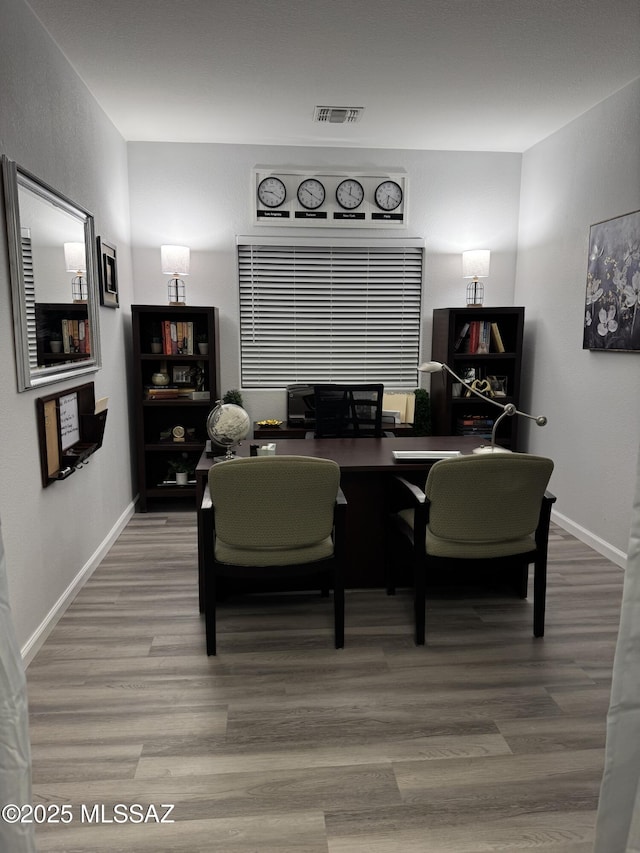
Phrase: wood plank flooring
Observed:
(483, 740)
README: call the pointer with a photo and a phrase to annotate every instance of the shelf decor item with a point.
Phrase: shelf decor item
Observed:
(483, 390)
(475, 265)
(228, 425)
(175, 262)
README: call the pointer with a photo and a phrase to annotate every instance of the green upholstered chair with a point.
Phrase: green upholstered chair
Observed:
(481, 511)
(273, 523)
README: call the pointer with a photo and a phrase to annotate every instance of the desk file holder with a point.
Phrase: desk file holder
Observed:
(70, 430)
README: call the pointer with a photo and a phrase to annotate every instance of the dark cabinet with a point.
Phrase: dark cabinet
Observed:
(482, 345)
(175, 387)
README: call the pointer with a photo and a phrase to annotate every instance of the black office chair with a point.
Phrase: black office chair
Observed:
(348, 411)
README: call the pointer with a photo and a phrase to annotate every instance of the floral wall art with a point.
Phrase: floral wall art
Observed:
(612, 310)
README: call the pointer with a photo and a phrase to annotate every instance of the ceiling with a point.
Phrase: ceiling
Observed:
(483, 75)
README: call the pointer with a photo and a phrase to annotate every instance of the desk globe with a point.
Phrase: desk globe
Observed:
(227, 426)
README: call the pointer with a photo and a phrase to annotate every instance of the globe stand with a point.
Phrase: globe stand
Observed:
(227, 426)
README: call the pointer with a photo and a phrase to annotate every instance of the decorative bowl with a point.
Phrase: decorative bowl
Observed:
(270, 422)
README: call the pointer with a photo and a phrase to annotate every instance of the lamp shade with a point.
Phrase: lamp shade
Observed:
(175, 260)
(75, 257)
(430, 367)
(475, 263)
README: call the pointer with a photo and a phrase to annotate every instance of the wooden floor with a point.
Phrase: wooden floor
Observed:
(483, 740)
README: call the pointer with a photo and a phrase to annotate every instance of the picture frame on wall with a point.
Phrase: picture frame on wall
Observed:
(108, 274)
(612, 302)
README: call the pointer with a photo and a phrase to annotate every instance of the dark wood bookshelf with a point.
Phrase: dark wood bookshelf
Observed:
(450, 411)
(156, 418)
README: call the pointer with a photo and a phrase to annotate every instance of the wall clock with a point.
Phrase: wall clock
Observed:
(349, 194)
(272, 192)
(311, 193)
(388, 195)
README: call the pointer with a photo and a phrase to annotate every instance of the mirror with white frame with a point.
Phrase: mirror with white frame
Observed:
(54, 290)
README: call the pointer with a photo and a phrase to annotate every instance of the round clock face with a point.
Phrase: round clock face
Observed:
(388, 195)
(349, 194)
(272, 192)
(311, 193)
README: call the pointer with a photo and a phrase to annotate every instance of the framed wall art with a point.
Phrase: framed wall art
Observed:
(612, 303)
(108, 274)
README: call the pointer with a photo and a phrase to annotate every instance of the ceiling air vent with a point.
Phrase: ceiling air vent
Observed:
(338, 115)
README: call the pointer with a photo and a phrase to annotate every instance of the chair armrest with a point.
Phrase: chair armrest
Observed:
(387, 433)
(340, 523)
(208, 530)
(403, 494)
(406, 495)
(207, 503)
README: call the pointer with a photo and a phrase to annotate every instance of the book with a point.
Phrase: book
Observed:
(462, 335)
(474, 336)
(66, 342)
(483, 338)
(496, 337)
(166, 338)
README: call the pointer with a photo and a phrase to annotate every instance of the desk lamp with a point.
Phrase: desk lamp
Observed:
(475, 265)
(508, 409)
(175, 262)
(75, 261)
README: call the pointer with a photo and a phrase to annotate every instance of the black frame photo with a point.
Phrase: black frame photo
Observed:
(612, 302)
(108, 274)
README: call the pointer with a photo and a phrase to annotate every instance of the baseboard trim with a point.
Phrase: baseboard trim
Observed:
(604, 548)
(36, 640)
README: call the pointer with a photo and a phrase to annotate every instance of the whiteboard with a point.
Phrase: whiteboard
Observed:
(69, 421)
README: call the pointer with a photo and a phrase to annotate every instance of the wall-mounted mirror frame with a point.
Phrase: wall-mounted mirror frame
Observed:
(39, 220)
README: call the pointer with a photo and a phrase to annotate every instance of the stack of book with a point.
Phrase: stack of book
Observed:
(168, 392)
(177, 337)
(75, 336)
(479, 337)
(476, 425)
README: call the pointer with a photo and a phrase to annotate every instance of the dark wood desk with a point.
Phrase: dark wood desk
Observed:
(287, 431)
(366, 464)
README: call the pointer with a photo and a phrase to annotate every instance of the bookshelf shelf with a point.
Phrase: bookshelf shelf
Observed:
(157, 418)
(457, 334)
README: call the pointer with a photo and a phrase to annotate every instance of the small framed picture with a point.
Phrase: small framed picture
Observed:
(108, 274)
(181, 375)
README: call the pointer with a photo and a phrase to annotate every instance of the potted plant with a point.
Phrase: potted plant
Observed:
(182, 468)
(233, 396)
(55, 342)
(203, 344)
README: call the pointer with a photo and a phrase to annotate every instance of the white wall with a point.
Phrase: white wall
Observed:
(51, 126)
(200, 196)
(587, 172)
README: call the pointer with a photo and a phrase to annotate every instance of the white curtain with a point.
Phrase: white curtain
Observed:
(618, 822)
(15, 752)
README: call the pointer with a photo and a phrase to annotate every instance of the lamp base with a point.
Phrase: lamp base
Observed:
(177, 303)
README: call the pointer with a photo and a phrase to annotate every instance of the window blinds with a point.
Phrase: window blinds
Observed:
(329, 313)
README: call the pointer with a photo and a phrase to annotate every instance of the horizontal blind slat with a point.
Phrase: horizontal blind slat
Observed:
(327, 313)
